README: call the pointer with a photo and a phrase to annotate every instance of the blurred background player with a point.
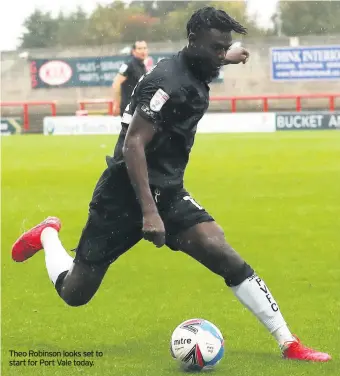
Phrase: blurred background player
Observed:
(127, 77)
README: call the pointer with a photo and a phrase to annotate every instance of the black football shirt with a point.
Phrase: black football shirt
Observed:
(133, 70)
(173, 99)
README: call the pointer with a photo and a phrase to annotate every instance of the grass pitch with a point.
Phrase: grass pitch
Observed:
(277, 198)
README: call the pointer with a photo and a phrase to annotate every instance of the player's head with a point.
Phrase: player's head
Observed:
(209, 35)
(140, 50)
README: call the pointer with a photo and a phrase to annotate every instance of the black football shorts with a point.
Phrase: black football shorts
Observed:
(115, 222)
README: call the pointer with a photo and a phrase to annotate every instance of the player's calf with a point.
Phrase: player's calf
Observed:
(206, 243)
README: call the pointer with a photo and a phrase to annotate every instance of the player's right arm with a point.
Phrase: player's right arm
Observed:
(145, 123)
(139, 135)
(116, 87)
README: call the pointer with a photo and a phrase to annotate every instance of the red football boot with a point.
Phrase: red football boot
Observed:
(297, 351)
(29, 243)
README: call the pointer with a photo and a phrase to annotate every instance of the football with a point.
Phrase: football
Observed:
(197, 345)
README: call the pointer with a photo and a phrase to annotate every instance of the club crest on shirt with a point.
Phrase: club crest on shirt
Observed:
(158, 100)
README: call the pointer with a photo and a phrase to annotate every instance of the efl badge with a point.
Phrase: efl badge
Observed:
(158, 100)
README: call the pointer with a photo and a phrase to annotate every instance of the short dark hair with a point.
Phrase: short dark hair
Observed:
(210, 18)
(134, 45)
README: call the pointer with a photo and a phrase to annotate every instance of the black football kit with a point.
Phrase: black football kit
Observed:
(174, 99)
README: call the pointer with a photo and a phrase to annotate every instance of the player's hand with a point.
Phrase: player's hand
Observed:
(237, 55)
(116, 108)
(153, 229)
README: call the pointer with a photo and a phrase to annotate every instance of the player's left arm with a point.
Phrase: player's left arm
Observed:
(119, 79)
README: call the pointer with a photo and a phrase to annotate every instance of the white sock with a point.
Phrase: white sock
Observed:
(255, 295)
(56, 258)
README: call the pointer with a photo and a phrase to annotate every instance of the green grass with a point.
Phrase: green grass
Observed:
(277, 197)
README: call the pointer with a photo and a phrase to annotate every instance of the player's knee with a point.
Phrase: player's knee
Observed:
(76, 301)
(71, 295)
(75, 297)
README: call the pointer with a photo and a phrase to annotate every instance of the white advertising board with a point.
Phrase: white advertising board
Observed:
(210, 123)
(81, 125)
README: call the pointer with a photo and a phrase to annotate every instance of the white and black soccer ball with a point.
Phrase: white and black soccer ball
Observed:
(197, 344)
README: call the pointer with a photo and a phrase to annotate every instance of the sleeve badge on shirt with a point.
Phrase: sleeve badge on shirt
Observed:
(158, 100)
(123, 68)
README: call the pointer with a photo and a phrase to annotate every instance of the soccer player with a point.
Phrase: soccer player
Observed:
(127, 77)
(141, 193)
